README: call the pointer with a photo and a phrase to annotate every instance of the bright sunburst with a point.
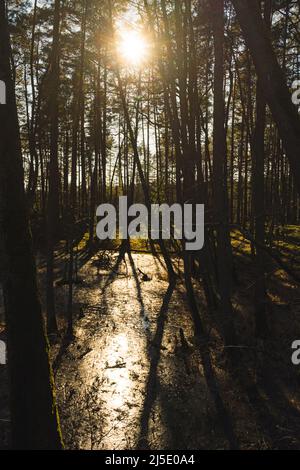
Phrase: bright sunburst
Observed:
(133, 47)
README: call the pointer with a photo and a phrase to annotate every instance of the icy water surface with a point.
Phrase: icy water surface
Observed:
(130, 379)
(134, 376)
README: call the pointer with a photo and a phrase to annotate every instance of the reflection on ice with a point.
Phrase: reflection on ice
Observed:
(102, 384)
(116, 371)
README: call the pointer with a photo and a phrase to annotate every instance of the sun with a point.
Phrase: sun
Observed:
(133, 48)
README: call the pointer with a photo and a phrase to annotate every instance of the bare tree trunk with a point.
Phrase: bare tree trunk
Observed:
(34, 418)
(259, 203)
(272, 80)
(54, 177)
(224, 256)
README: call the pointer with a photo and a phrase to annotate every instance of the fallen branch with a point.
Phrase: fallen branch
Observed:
(117, 366)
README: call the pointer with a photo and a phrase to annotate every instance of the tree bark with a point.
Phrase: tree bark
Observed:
(224, 256)
(272, 80)
(34, 418)
(54, 176)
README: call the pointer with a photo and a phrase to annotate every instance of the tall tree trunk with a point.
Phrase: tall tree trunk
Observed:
(32, 125)
(34, 418)
(259, 202)
(219, 177)
(54, 177)
(272, 80)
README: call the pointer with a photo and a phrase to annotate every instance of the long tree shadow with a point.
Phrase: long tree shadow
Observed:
(213, 387)
(289, 415)
(143, 313)
(137, 283)
(276, 414)
(204, 353)
(152, 381)
(124, 248)
(83, 258)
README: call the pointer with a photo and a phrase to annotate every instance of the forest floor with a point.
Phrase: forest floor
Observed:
(133, 376)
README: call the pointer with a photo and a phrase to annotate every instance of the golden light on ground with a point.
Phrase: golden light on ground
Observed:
(133, 47)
